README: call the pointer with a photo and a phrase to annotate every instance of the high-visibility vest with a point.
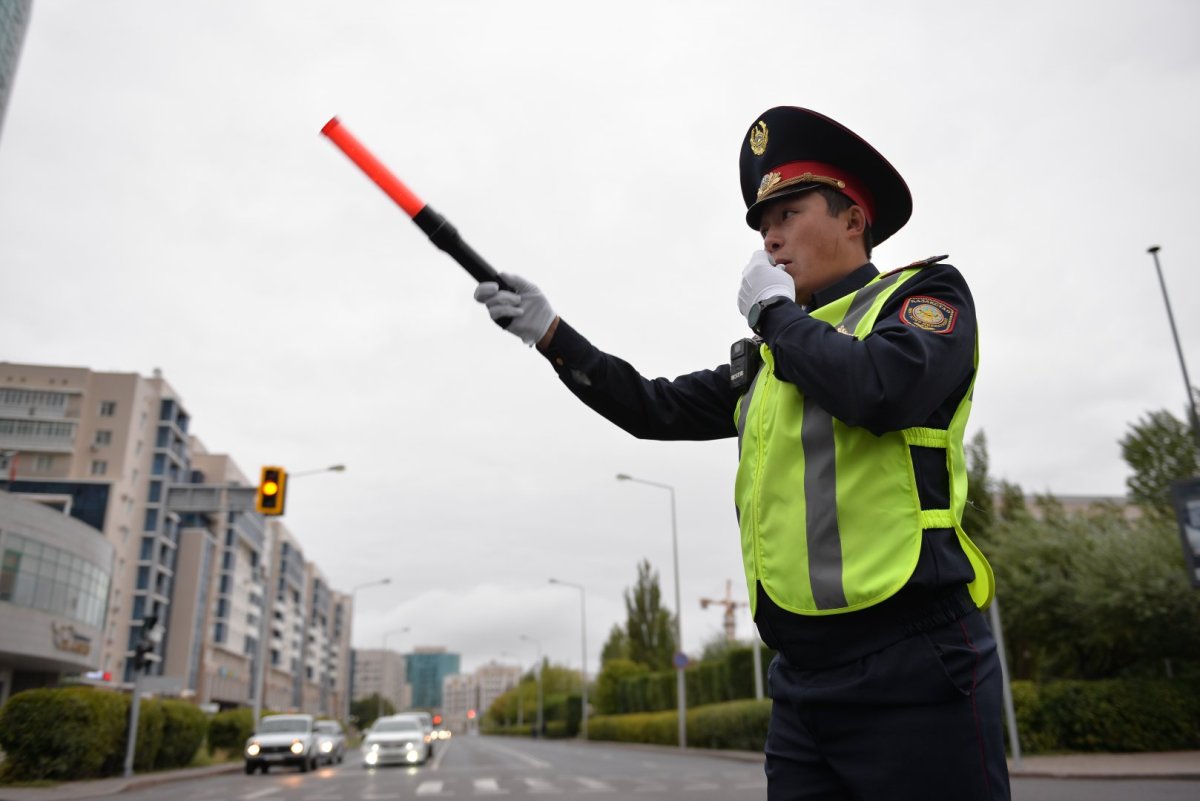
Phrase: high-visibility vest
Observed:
(829, 513)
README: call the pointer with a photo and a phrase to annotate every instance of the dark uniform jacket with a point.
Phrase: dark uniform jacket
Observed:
(899, 376)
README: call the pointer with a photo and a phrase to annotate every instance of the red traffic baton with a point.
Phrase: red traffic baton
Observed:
(435, 226)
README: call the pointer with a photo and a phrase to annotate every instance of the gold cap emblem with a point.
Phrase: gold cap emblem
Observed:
(758, 138)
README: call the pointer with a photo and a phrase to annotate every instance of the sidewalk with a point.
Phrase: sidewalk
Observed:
(1183, 765)
(97, 788)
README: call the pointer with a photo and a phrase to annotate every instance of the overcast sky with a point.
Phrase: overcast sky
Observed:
(166, 201)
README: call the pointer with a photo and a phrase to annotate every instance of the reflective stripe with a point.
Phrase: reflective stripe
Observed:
(745, 410)
(863, 300)
(820, 476)
(820, 504)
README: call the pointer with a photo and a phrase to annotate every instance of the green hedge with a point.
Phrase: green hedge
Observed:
(1126, 715)
(1114, 715)
(184, 730)
(734, 725)
(231, 729)
(710, 682)
(81, 733)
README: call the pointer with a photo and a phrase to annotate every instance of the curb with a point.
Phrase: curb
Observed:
(99, 788)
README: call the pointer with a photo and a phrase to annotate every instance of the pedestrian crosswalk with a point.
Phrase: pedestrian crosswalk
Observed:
(518, 787)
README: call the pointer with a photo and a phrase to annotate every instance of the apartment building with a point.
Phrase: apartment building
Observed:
(108, 448)
(382, 672)
(475, 692)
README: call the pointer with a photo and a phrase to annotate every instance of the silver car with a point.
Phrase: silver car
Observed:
(331, 741)
(395, 742)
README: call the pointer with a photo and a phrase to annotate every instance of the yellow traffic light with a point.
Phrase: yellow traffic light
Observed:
(272, 489)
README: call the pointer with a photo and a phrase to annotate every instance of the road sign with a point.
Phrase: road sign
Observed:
(680, 660)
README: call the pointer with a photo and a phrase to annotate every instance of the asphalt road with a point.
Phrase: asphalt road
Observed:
(474, 767)
(517, 768)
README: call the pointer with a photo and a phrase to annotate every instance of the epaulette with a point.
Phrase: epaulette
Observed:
(918, 264)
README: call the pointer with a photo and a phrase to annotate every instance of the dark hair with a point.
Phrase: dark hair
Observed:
(837, 203)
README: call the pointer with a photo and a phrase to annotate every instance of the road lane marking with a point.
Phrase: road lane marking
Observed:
(437, 757)
(540, 786)
(594, 785)
(432, 787)
(488, 787)
(260, 793)
(537, 763)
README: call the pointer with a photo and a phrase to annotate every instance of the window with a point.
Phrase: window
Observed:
(155, 494)
(147, 551)
(160, 464)
(43, 463)
(143, 578)
(219, 633)
(151, 520)
(108, 408)
(99, 467)
(103, 437)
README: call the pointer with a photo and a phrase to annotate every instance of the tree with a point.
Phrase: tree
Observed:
(649, 627)
(980, 511)
(607, 697)
(616, 646)
(365, 711)
(1160, 449)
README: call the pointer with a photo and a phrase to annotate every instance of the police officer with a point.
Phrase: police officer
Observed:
(849, 408)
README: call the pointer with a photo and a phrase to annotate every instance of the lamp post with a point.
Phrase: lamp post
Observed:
(539, 681)
(678, 658)
(350, 622)
(583, 637)
(336, 468)
(382, 664)
(1187, 383)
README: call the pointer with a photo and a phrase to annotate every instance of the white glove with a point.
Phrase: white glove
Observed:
(761, 280)
(527, 307)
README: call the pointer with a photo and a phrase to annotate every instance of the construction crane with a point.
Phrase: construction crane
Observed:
(730, 606)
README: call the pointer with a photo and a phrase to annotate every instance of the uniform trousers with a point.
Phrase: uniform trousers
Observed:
(919, 719)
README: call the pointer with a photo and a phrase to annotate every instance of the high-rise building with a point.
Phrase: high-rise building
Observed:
(380, 672)
(462, 693)
(426, 668)
(110, 448)
(14, 19)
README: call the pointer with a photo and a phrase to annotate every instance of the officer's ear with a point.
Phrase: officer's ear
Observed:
(856, 220)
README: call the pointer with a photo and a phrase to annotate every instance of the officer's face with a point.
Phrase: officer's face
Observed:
(815, 249)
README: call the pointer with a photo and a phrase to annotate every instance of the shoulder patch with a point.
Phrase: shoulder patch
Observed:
(928, 314)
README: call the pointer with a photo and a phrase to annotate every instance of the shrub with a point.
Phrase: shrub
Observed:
(149, 734)
(184, 728)
(231, 729)
(49, 734)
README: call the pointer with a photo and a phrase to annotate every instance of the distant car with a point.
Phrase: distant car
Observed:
(331, 741)
(395, 740)
(423, 720)
(283, 740)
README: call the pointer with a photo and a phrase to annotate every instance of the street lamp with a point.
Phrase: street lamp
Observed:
(1187, 382)
(539, 681)
(350, 623)
(583, 631)
(382, 664)
(678, 658)
(336, 468)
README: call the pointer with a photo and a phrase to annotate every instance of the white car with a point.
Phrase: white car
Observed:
(283, 740)
(331, 741)
(395, 742)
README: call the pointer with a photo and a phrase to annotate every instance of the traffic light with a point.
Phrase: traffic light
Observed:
(437, 720)
(272, 489)
(145, 644)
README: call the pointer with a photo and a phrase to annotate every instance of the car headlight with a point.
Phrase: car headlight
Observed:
(374, 747)
(327, 746)
(297, 747)
(253, 749)
(408, 746)
(371, 758)
(412, 756)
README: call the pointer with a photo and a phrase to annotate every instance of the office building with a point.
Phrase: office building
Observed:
(426, 668)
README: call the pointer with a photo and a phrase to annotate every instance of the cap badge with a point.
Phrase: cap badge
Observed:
(768, 183)
(758, 138)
